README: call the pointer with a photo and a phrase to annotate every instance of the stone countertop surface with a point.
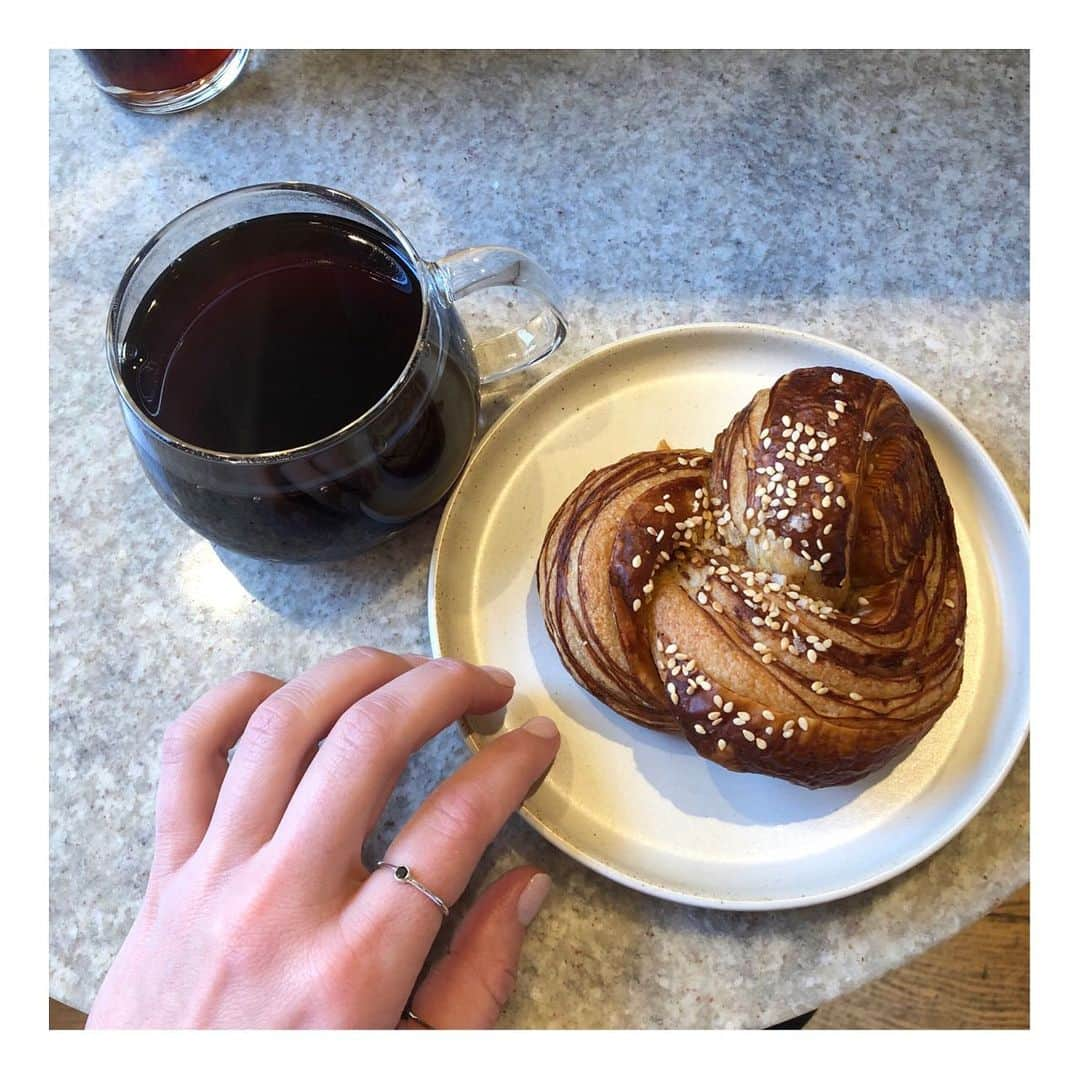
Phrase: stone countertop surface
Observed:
(878, 199)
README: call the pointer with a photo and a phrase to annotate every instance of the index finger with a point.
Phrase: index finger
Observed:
(355, 770)
(442, 843)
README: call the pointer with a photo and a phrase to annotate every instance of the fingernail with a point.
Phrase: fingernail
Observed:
(542, 726)
(500, 675)
(532, 898)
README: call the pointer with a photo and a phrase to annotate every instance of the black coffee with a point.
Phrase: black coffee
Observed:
(277, 333)
(273, 333)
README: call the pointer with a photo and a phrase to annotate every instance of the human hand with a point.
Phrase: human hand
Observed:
(259, 911)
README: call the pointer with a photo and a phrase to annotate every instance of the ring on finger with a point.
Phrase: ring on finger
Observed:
(403, 874)
(408, 1014)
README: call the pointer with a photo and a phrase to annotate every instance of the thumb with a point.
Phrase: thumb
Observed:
(469, 986)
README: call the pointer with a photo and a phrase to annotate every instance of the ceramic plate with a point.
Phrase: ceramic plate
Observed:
(640, 806)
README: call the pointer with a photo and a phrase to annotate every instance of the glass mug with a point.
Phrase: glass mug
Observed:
(353, 486)
(163, 80)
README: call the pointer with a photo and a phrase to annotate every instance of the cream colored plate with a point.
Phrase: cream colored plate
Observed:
(640, 806)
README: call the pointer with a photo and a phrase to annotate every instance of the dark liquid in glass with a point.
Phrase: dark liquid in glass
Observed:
(149, 70)
(277, 333)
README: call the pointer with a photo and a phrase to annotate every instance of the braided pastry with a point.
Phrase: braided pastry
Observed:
(793, 603)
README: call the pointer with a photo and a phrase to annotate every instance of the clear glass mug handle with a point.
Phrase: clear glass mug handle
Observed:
(472, 269)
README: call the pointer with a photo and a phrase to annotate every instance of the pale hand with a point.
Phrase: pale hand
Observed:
(259, 911)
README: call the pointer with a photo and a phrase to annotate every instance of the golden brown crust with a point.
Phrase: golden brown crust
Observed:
(793, 603)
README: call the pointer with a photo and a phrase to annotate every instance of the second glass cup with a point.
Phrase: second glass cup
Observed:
(163, 80)
(294, 377)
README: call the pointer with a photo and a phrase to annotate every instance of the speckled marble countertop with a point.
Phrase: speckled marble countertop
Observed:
(876, 199)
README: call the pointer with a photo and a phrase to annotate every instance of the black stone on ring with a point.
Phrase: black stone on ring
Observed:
(405, 876)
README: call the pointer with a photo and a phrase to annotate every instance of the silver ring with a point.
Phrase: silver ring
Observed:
(410, 1015)
(405, 875)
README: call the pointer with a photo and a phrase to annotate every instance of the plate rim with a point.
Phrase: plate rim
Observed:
(650, 888)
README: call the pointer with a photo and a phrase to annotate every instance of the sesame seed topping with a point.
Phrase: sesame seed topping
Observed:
(647, 588)
(855, 695)
(788, 732)
(635, 562)
(837, 377)
(950, 603)
(721, 744)
(767, 714)
(803, 723)
(713, 716)
(960, 642)
(748, 735)
(699, 728)
(637, 603)
(816, 513)
(811, 655)
(728, 706)
(741, 718)
(841, 501)
(672, 649)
